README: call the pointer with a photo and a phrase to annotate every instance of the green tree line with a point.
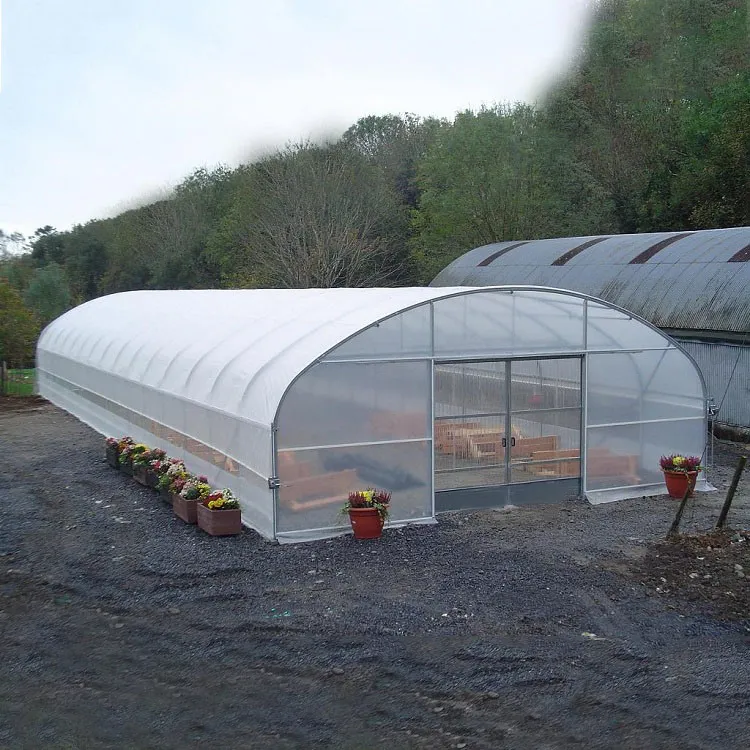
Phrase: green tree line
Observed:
(649, 131)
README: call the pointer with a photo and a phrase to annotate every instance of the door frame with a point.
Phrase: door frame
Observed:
(516, 493)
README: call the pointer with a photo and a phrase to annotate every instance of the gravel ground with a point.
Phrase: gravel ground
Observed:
(123, 628)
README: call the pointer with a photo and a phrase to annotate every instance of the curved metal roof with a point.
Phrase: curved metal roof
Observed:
(677, 280)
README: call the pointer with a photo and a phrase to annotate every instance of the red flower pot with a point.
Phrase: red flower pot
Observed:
(367, 523)
(679, 481)
(185, 509)
(219, 522)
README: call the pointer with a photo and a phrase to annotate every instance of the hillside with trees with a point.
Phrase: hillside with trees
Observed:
(649, 131)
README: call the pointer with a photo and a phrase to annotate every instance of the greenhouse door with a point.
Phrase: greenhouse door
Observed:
(506, 431)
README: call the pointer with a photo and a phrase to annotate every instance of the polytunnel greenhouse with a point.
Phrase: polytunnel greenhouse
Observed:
(449, 398)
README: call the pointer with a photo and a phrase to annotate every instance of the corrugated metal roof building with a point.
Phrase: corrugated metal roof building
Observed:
(693, 285)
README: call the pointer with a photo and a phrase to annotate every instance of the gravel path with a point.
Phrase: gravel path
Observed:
(123, 628)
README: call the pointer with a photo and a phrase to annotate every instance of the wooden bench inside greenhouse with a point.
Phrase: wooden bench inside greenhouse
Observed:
(388, 424)
(469, 440)
(601, 464)
(302, 489)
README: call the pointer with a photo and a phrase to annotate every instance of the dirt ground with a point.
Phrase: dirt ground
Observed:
(544, 627)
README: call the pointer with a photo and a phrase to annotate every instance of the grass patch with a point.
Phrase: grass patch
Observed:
(20, 383)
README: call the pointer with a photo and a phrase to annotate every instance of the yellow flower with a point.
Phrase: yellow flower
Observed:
(677, 460)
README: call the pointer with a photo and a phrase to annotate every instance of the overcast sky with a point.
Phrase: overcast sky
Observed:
(106, 102)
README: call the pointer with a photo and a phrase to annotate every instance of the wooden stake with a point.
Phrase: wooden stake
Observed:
(730, 492)
(674, 529)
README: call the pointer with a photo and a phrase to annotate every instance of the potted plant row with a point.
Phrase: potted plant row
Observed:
(193, 500)
(680, 474)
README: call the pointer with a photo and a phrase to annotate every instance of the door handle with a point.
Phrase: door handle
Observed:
(505, 443)
(512, 442)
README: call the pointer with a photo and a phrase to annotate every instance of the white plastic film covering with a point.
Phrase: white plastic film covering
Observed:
(339, 403)
(496, 323)
(610, 328)
(404, 335)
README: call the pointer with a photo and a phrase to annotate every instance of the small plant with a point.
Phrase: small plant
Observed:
(175, 477)
(369, 498)
(195, 489)
(680, 463)
(149, 457)
(120, 444)
(221, 500)
(131, 451)
(175, 467)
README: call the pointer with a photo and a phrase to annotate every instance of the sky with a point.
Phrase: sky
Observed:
(105, 104)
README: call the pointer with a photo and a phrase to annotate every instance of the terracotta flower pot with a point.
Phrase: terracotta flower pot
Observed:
(140, 474)
(127, 468)
(185, 509)
(367, 523)
(219, 522)
(678, 481)
(152, 479)
(165, 495)
(113, 456)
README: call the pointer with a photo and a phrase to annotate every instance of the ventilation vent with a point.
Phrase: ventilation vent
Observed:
(563, 259)
(742, 256)
(496, 255)
(649, 252)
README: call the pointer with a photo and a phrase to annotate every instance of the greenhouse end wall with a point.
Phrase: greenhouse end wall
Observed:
(364, 416)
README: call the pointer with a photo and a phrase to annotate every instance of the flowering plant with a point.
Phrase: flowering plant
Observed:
(195, 489)
(131, 451)
(149, 457)
(680, 463)
(369, 498)
(120, 443)
(174, 478)
(221, 500)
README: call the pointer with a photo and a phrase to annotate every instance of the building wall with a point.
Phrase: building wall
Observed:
(725, 365)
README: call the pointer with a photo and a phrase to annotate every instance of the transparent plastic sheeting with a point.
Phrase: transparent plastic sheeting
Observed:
(315, 483)
(211, 374)
(640, 406)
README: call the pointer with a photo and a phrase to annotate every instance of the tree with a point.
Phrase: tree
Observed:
(88, 252)
(315, 216)
(48, 294)
(712, 186)
(395, 143)
(18, 328)
(644, 66)
(48, 245)
(501, 174)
